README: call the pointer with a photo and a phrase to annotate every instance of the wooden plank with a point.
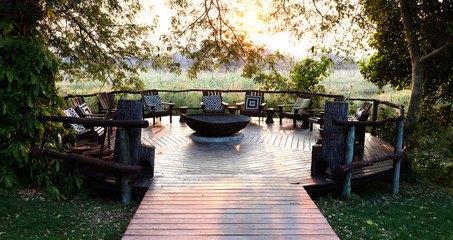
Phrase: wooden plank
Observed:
(256, 237)
(215, 226)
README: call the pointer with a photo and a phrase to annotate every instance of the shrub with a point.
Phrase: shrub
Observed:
(27, 89)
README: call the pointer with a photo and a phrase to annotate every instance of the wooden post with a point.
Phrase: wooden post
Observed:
(139, 154)
(375, 115)
(125, 158)
(333, 137)
(348, 159)
(398, 148)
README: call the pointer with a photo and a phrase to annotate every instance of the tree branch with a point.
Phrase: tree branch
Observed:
(436, 52)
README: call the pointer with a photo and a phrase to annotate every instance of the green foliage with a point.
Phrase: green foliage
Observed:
(304, 75)
(432, 149)
(434, 158)
(93, 39)
(391, 64)
(27, 89)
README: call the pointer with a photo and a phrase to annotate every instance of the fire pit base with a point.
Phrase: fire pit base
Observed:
(228, 140)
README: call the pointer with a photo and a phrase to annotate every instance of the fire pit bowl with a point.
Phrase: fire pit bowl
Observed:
(216, 125)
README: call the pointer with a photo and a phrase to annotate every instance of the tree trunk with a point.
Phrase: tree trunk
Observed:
(417, 67)
(416, 97)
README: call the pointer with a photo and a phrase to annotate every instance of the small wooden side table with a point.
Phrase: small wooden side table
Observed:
(182, 110)
(270, 114)
(232, 110)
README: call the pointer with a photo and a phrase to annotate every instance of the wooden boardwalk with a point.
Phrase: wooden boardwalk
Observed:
(227, 207)
(254, 190)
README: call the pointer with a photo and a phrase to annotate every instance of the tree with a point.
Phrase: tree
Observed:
(90, 39)
(414, 40)
(93, 39)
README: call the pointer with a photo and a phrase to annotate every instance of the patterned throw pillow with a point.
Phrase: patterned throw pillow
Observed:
(302, 104)
(83, 110)
(153, 100)
(213, 102)
(70, 112)
(252, 102)
(358, 114)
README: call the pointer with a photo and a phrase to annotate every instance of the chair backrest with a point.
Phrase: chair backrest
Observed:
(363, 112)
(105, 101)
(257, 93)
(77, 101)
(340, 99)
(151, 92)
(306, 96)
(212, 93)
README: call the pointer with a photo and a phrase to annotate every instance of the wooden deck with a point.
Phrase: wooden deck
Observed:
(254, 190)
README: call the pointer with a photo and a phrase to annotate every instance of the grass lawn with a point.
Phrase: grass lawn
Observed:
(419, 211)
(29, 216)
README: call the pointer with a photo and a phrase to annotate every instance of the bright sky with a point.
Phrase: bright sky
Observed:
(251, 23)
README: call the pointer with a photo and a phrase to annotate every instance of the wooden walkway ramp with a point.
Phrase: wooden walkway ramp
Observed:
(254, 190)
(227, 207)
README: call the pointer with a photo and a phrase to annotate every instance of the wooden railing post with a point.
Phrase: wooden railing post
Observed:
(125, 159)
(375, 116)
(348, 159)
(398, 148)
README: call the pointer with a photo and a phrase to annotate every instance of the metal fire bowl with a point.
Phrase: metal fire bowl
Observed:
(216, 125)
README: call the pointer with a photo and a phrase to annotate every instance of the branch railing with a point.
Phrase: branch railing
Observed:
(348, 165)
(124, 166)
(399, 152)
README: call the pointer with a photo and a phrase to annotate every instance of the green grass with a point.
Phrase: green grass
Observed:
(419, 211)
(33, 217)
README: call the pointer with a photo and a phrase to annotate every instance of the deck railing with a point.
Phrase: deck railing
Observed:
(399, 151)
(348, 165)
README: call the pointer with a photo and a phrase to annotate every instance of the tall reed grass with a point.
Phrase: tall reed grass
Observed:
(348, 83)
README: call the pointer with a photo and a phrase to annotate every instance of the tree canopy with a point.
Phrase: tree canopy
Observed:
(414, 43)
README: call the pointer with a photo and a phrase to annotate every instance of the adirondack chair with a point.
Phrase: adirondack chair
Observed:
(154, 107)
(82, 133)
(105, 104)
(76, 101)
(253, 104)
(317, 116)
(299, 109)
(212, 102)
(361, 114)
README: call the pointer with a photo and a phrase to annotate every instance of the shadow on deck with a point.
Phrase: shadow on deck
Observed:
(267, 149)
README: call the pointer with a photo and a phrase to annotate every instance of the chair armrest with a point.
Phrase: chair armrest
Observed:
(94, 115)
(280, 107)
(240, 103)
(168, 103)
(225, 104)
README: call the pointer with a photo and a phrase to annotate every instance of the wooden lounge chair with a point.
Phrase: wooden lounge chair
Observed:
(212, 102)
(317, 117)
(299, 109)
(105, 104)
(77, 101)
(253, 104)
(82, 133)
(361, 114)
(154, 107)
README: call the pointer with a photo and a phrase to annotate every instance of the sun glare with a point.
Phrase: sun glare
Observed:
(251, 22)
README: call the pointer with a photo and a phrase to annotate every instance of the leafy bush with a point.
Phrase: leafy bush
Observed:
(27, 89)
(305, 75)
(432, 145)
